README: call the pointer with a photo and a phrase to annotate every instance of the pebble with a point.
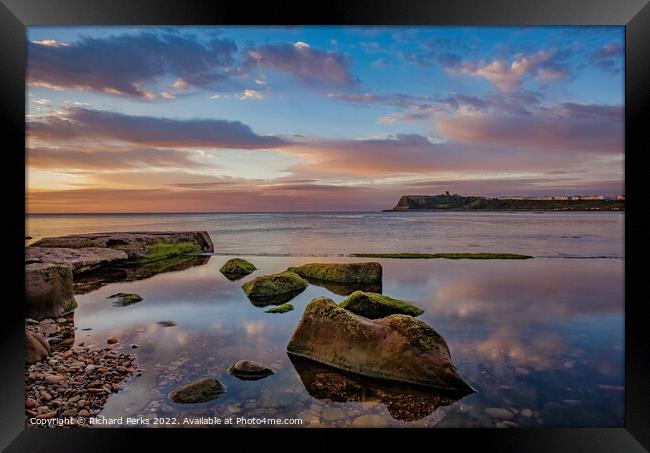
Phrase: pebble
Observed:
(332, 413)
(526, 413)
(53, 379)
(369, 421)
(499, 412)
(30, 403)
(507, 424)
(84, 413)
(112, 340)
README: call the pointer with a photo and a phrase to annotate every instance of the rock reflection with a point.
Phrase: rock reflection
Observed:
(404, 402)
(233, 277)
(345, 289)
(273, 300)
(92, 280)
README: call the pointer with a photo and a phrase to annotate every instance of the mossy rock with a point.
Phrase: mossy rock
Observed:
(267, 288)
(280, 308)
(159, 251)
(236, 268)
(397, 347)
(124, 299)
(340, 272)
(373, 305)
(198, 392)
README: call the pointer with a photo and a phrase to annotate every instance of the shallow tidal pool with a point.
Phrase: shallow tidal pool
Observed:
(541, 341)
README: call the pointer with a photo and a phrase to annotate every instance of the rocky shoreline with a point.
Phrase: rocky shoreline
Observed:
(72, 382)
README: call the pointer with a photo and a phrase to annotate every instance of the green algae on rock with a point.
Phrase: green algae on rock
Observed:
(274, 289)
(198, 392)
(280, 308)
(397, 347)
(125, 299)
(445, 255)
(159, 251)
(373, 305)
(237, 268)
(340, 272)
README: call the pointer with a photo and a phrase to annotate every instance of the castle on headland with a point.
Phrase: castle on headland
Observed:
(551, 202)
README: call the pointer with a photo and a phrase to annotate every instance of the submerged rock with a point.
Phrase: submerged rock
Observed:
(280, 308)
(404, 401)
(124, 299)
(274, 289)
(237, 268)
(166, 323)
(373, 305)
(198, 392)
(340, 272)
(249, 370)
(48, 291)
(398, 347)
(36, 348)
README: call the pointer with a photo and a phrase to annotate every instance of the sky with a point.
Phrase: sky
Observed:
(210, 119)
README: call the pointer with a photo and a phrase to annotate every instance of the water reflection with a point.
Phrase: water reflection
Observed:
(345, 289)
(403, 401)
(532, 336)
(92, 280)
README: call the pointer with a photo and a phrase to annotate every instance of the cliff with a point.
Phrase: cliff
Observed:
(458, 202)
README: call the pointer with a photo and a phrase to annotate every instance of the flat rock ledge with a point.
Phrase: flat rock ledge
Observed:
(51, 263)
(397, 347)
(134, 244)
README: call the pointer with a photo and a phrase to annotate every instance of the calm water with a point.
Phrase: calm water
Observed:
(542, 337)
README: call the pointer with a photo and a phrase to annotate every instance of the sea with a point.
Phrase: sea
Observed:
(541, 340)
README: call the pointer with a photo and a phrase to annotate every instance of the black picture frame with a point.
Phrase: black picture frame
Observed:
(16, 15)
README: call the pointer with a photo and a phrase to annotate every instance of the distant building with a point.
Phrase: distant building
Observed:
(587, 197)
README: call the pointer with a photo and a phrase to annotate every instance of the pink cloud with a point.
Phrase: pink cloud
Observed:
(507, 76)
(570, 127)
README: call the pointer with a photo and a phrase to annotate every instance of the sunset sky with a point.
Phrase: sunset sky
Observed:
(318, 118)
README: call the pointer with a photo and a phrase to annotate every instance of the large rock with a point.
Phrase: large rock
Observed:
(373, 305)
(36, 348)
(397, 347)
(340, 272)
(78, 260)
(48, 291)
(134, 244)
(99, 258)
(198, 392)
(274, 289)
